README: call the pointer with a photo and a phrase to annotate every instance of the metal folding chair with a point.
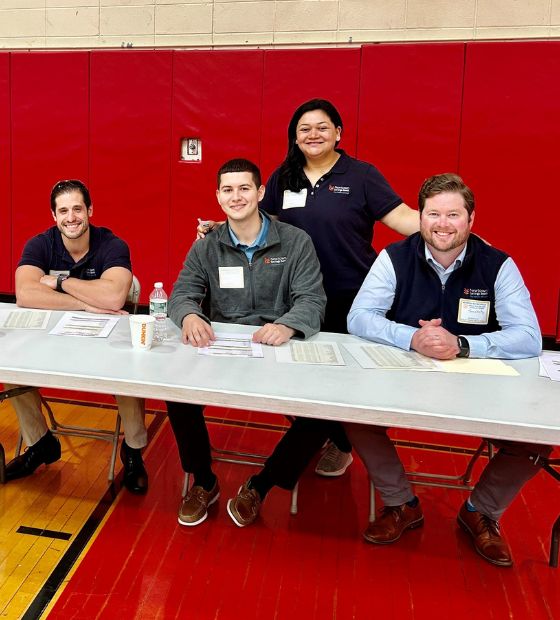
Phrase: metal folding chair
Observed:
(461, 482)
(110, 435)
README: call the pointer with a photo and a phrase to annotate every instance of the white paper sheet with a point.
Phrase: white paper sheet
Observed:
(382, 356)
(85, 325)
(294, 352)
(233, 345)
(549, 362)
(24, 318)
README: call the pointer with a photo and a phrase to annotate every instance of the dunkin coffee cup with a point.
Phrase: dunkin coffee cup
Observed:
(142, 331)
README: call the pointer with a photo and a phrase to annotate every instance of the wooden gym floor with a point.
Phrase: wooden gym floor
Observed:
(71, 547)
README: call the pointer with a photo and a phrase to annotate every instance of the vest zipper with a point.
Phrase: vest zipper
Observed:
(251, 284)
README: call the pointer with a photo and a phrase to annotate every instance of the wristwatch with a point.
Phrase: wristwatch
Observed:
(59, 280)
(464, 348)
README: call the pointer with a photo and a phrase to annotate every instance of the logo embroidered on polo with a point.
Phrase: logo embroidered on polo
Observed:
(274, 260)
(476, 293)
(339, 189)
(90, 273)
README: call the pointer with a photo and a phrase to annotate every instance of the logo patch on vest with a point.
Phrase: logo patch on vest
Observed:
(339, 189)
(476, 293)
(274, 260)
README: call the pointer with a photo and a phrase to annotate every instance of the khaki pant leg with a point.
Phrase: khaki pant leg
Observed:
(131, 410)
(28, 410)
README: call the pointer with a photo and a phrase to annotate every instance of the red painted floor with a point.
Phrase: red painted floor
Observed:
(314, 565)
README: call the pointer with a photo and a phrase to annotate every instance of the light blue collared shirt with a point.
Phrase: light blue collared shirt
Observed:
(258, 243)
(519, 336)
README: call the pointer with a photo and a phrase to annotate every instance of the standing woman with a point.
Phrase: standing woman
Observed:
(336, 199)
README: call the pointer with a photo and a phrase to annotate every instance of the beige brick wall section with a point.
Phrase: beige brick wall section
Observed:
(126, 20)
(555, 19)
(22, 4)
(73, 22)
(513, 13)
(22, 23)
(366, 15)
(434, 13)
(204, 23)
(238, 17)
(184, 18)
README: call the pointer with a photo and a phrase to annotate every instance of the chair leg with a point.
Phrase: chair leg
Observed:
(19, 445)
(554, 544)
(371, 517)
(294, 504)
(2, 465)
(467, 476)
(186, 481)
(115, 442)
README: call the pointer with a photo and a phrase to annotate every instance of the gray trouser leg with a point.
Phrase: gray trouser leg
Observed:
(382, 462)
(505, 475)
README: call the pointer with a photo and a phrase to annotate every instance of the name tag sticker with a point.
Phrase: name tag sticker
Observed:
(473, 311)
(231, 277)
(55, 272)
(294, 200)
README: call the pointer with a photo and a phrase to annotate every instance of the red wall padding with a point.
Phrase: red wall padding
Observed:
(6, 272)
(50, 118)
(410, 115)
(130, 143)
(292, 77)
(510, 145)
(116, 119)
(217, 97)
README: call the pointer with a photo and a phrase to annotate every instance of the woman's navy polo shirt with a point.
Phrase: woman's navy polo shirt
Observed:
(47, 252)
(339, 214)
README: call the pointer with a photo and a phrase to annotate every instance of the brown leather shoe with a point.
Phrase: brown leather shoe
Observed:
(244, 507)
(485, 533)
(194, 507)
(393, 521)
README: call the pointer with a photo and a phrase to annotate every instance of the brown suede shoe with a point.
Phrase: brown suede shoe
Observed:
(244, 507)
(393, 521)
(486, 536)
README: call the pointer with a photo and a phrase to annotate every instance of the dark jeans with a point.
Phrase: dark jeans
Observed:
(283, 467)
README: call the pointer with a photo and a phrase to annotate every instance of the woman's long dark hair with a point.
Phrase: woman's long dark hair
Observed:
(291, 172)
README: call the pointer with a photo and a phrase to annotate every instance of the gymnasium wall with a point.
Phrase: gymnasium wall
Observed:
(117, 118)
(149, 23)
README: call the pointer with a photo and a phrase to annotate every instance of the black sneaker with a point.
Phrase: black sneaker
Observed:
(46, 450)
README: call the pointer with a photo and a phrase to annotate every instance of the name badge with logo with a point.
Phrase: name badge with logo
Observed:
(473, 311)
(231, 277)
(294, 200)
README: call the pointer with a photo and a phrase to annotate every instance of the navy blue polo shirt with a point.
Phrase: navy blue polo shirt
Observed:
(47, 252)
(338, 213)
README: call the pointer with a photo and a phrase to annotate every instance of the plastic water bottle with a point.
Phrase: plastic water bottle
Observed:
(158, 309)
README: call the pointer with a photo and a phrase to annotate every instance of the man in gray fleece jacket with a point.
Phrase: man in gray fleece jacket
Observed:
(253, 271)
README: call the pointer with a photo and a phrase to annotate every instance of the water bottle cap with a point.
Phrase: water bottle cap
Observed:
(158, 285)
